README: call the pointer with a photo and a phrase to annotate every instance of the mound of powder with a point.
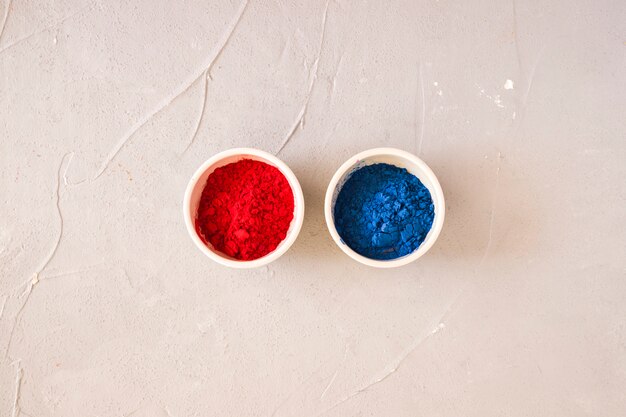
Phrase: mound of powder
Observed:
(245, 209)
(383, 212)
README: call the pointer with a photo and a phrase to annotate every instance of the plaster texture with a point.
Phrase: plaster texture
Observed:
(107, 108)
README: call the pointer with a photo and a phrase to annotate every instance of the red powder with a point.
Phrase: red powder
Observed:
(245, 209)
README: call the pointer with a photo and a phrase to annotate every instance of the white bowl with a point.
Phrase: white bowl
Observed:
(400, 159)
(194, 192)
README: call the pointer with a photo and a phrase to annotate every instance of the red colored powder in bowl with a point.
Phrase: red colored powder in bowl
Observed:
(245, 209)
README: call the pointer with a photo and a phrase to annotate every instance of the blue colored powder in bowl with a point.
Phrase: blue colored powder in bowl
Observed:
(383, 212)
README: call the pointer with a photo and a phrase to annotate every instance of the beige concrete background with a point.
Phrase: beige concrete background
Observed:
(107, 309)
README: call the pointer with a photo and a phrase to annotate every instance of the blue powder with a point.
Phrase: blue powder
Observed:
(383, 211)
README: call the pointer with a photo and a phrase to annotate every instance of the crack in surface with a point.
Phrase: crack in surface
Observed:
(528, 78)
(529, 82)
(297, 389)
(493, 209)
(226, 37)
(451, 308)
(182, 89)
(66, 181)
(179, 91)
(47, 28)
(293, 129)
(60, 274)
(58, 208)
(27, 292)
(5, 18)
(283, 51)
(4, 303)
(15, 411)
(130, 283)
(332, 380)
(195, 132)
(131, 413)
(399, 360)
(338, 403)
(30, 284)
(334, 78)
(299, 121)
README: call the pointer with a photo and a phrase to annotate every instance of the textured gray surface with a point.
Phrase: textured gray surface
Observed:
(107, 308)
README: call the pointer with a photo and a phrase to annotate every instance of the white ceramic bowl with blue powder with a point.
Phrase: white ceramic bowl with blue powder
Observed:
(396, 158)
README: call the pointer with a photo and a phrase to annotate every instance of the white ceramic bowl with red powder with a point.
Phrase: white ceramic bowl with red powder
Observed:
(399, 158)
(194, 192)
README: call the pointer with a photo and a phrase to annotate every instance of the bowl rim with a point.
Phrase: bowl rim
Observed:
(438, 200)
(298, 216)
